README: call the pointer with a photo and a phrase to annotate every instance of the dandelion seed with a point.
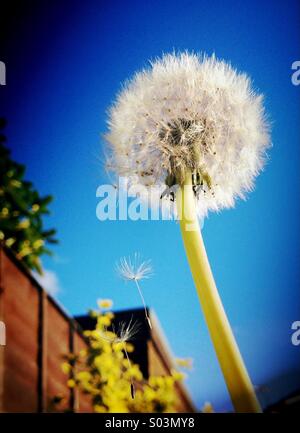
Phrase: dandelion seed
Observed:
(135, 270)
(122, 335)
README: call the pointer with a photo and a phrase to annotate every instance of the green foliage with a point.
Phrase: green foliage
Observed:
(21, 212)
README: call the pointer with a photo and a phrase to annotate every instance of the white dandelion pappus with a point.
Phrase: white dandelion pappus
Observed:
(128, 332)
(189, 113)
(124, 333)
(135, 270)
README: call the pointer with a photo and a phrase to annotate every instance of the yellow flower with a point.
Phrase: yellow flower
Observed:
(99, 409)
(38, 243)
(107, 348)
(23, 224)
(24, 252)
(93, 314)
(87, 333)
(169, 380)
(66, 368)
(2, 236)
(71, 383)
(15, 183)
(118, 346)
(118, 408)
(95, 345)
(207, 408)
(129, 347)
(104, 303)
(4, 211)
(177, 375)
(35, 207)
(83, 376)
(150, 394)
(9, 242)
(104, 320)
(184, 363)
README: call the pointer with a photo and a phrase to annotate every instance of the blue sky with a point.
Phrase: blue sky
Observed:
(64, 66)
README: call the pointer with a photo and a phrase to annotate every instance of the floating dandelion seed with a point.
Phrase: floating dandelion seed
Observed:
(195, 122)
(125, 333)
(135, 270)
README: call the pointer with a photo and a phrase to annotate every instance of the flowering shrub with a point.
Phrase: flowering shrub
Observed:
(105, 372)
(21, 212)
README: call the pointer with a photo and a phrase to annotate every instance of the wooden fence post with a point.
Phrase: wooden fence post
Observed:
(73, 393)
(42, 351)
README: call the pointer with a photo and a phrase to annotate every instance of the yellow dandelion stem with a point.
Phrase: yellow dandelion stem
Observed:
(236, 376)
(132, 387)
(144, 303)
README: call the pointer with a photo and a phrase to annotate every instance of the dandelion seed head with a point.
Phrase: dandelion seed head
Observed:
(190, 113)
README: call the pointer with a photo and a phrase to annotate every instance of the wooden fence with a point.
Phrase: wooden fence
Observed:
(38, 333)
